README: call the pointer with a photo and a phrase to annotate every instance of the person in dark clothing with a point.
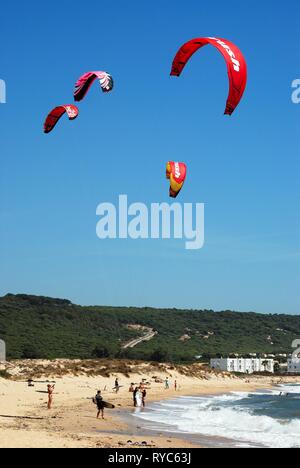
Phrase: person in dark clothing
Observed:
(134, 395)
(98, 400)
(144, 394)
(117, 386)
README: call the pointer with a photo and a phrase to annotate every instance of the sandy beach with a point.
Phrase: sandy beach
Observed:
(25, 421)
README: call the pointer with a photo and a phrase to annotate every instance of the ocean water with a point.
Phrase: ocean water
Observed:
(261, 419)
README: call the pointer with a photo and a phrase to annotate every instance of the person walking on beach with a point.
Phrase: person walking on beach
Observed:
(50, 390)
(117, 386)
(175, 385)
(167, 383)
(98, 400)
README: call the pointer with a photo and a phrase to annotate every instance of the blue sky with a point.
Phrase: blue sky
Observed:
(244, 168)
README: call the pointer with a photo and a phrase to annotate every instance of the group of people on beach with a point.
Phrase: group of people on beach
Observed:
(139, 394)
(168, 384)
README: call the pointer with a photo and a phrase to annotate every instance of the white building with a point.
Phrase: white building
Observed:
(245, 366)
(294, 365)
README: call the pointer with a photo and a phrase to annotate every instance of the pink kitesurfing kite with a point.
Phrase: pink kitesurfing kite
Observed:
(85, 82)
(54, 116)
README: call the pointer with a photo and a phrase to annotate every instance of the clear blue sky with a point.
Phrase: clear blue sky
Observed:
(244, 168)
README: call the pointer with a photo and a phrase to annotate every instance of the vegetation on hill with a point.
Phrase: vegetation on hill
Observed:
(42, 327)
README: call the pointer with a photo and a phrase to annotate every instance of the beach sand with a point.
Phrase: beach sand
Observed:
(25, 421)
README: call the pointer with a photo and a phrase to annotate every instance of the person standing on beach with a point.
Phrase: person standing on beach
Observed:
(50, 391)
(131, 388)
(167, 383)
(134, 396)
(100, 404)
(144, 394)
(175, 385)
(117, 386)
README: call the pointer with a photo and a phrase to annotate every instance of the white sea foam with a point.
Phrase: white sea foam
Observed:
(220, 416)
(289, 388)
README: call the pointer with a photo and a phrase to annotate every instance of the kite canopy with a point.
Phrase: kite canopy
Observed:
(87, 79)
(54, 116)
(236, 65)
(176, 172)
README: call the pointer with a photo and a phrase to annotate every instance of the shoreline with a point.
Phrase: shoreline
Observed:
(72, 421)
(197, 438)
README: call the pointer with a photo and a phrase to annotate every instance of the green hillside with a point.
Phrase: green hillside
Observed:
(41, 327)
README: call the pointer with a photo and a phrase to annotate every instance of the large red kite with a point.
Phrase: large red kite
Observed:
(236, 65)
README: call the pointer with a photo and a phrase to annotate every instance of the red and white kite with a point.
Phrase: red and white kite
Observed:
(54, 116)
(236, 66)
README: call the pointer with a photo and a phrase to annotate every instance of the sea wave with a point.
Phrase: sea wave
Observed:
(227, 416)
